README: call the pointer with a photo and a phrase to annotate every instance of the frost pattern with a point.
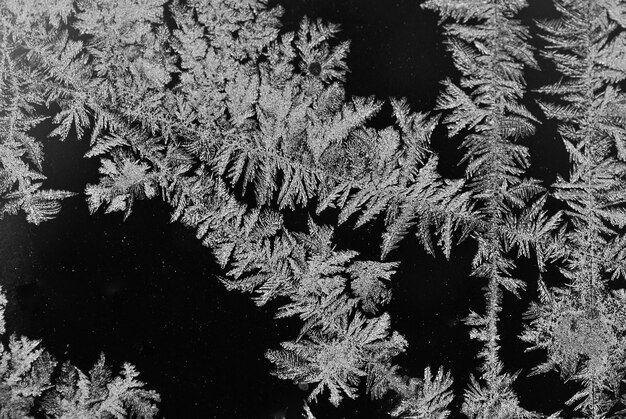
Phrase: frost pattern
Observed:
(581, 325)
(490, 48)
(21, 155)
(253, 116)
(27, 385)
(234, 123)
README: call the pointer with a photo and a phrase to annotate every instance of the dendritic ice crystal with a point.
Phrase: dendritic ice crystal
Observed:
(236, 123)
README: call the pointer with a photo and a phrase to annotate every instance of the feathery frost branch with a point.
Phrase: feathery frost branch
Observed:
(581, 326)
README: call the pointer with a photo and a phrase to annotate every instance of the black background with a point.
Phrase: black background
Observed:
(145, 290)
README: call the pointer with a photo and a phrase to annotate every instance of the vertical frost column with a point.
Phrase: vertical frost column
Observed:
(582, 325)
(490, 50)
